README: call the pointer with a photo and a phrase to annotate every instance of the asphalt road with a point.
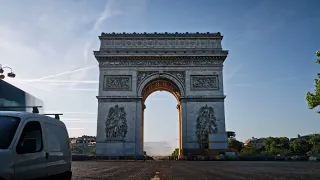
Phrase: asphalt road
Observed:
(196, 170)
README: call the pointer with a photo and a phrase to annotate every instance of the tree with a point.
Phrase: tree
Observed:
(314, 98)
(301, 146)
(249, 150)
(274, 146)
(315, 140)
(235, 144)
(175, 153)
(231, 134)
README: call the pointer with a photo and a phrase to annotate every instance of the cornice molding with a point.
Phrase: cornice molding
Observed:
(161, 35)
(159, 52)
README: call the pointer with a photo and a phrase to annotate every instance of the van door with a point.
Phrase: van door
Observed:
(58, 152)
(30, 163)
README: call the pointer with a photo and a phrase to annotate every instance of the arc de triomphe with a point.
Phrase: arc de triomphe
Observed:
(134, 65)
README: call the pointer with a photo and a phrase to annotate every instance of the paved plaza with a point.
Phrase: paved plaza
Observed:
(196, 170)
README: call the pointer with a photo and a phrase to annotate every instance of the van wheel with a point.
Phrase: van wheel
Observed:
(67, 175)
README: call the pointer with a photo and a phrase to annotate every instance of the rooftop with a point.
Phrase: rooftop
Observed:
(163, 35)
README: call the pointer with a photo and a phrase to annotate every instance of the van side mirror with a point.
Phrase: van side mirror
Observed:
(28, 146)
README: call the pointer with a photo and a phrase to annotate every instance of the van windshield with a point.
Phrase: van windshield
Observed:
(8, 128)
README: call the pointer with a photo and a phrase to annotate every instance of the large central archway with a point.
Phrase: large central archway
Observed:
(161, 84)
(134, 65)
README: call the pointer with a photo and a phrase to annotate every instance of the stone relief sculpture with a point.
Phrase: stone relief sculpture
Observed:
(206, 122)
(141, 75)
(117, 83)
(157, 63)
(203, 82)
(116, 124)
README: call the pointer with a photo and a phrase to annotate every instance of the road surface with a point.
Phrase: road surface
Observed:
(195, 170)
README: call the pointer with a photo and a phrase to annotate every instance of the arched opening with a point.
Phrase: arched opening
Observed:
(152, 88)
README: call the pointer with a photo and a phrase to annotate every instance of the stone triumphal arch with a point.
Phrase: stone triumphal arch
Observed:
(134, 65)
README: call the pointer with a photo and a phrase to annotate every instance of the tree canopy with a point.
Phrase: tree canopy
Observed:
(231, 134)
(314, 98)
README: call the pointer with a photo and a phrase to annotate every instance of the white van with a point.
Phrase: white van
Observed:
(33, 146)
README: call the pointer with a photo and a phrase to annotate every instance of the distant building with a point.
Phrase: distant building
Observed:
(83, 141)
(255, 142)
(305, 137)
(13, 96)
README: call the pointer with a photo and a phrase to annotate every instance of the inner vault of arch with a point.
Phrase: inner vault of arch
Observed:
(161, 84)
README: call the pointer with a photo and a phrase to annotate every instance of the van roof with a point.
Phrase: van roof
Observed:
(22, 114)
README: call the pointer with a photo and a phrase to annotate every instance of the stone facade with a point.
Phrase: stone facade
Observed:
(133, 65)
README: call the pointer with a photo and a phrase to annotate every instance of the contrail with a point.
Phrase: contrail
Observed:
(58, 81)
(60, 74)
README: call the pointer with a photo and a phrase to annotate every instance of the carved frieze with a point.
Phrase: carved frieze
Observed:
(161, 43)
(206, 122)
(117, 83)
(204, 82)
(116, 123)
(161, 63)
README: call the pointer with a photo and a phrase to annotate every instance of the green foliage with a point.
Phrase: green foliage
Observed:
(274, 146)
(301, 146)
(314, 98)
(315, 140)
(235, 144)
(175, 153)
(249, 150)
(231, 134)
(86, 150)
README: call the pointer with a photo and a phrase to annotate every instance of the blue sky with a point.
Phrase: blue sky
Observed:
(269, 69)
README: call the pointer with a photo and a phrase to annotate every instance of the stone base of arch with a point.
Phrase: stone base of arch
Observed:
(132, 143)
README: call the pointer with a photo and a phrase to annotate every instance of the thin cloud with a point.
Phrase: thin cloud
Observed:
(59, 81)
(63, 73)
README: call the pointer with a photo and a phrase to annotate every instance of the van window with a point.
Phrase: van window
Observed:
(56, 137)
(32, 130)
(8, 128)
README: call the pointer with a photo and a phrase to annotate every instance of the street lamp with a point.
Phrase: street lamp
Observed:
(10, 74)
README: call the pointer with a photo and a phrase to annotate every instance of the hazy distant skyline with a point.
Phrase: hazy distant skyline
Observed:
(270, 67)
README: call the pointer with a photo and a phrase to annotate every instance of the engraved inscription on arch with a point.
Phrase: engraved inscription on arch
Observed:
(117, 83)
(204, 82)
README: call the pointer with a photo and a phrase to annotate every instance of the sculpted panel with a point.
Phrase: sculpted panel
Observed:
(116, 124)
(204, 82)
(117, 83)
(206, 122)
